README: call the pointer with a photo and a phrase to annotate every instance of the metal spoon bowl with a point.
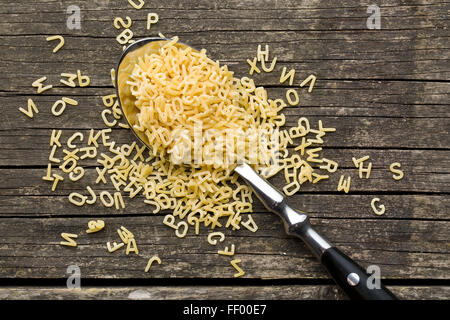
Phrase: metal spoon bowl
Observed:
(123, 73)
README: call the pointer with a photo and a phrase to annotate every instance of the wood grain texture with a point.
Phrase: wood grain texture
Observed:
(291, 292)
(401, 248)
(327, 206)
(331, 40)
(386, 91)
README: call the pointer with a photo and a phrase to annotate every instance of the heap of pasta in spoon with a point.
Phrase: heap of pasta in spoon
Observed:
(199, 121)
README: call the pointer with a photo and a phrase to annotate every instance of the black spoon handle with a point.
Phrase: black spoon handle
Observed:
(347, 273)
(352, 278)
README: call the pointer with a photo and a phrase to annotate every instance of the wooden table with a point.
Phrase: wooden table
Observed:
(386, 91)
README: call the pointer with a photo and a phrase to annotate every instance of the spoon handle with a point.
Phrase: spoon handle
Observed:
(352, 278)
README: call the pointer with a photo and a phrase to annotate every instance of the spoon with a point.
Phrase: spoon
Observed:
(351, 277)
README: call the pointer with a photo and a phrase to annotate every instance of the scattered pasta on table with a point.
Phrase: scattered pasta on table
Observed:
(170, 89)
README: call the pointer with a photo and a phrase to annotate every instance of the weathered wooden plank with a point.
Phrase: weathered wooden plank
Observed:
(31, 148)
(409, 99)
(338, 55)
(411, 44)
(325, 206)
(334, 42)
(287, 9)
(351, 132)
(369, 98)
(181, 292)
(278, 292)
(19, 181)
(229, 16)
(329, 97)
(401, 248)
